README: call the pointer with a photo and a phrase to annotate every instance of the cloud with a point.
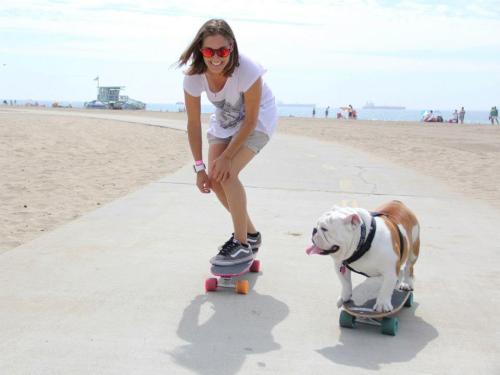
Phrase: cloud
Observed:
(94, 27)
(332, 38)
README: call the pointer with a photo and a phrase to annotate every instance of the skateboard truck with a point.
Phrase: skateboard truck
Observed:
(226, 276)
(364, 314)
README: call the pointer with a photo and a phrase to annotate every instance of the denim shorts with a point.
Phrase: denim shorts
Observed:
(255, 142)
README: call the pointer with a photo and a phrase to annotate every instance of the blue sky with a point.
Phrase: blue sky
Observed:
(420, 54)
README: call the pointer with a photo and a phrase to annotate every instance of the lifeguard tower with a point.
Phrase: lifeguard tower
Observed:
(109, 94)
(109, 97)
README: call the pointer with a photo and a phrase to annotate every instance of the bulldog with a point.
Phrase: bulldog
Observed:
(382, 243)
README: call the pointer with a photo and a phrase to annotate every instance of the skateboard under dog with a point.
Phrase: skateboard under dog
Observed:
(363, 313)
(226, 276)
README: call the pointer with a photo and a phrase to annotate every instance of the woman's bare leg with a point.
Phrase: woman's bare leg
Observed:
(231, 193)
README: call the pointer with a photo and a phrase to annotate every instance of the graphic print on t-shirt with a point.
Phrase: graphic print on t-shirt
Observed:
(230, 115)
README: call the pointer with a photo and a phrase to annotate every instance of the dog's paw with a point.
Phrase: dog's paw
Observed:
(405, 287)
(341, 301)
(383, 306)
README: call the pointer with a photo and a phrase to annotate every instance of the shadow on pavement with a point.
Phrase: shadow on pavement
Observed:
(223, 328)
(365, 347)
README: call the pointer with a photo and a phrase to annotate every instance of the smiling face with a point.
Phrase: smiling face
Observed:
(216, 64)
(334, 233)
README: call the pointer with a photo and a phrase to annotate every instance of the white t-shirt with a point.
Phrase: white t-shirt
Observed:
(229, 102)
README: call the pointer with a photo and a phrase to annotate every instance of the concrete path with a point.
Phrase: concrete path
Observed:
(121, 290)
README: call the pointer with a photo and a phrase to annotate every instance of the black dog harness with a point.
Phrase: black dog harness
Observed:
(365, 244)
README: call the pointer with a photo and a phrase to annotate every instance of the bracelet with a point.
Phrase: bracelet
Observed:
(198, 162)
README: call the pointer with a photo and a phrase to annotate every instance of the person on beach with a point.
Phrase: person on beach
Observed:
(429, 116)
(352, 113)
(244, 120)
(454, 117)
(326, 111)
(494, 115)
(461, 115)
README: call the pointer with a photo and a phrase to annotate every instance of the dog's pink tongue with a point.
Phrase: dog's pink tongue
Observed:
(313, 250)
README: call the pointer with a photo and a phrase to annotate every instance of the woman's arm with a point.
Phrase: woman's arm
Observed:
(193, 109)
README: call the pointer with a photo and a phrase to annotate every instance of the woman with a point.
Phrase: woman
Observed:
(243, 122)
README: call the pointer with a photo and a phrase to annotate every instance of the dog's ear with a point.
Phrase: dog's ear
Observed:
(353, 219)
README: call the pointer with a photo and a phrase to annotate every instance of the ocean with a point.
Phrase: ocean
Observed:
(305, 111)
(471, 117)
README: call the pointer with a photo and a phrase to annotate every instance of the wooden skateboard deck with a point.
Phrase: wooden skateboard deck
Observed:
(360, 308)
(227, 276)
(399, 297)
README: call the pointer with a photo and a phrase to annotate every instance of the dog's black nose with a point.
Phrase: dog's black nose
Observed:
(314, 231)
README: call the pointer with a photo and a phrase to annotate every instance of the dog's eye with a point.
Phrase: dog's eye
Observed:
(324, 229)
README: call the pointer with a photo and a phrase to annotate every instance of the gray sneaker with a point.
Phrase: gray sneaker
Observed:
(254, 241)
(232, 252)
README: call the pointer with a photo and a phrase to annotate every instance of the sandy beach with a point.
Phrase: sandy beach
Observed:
(57, 167)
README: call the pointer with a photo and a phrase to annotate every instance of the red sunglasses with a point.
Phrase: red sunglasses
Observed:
(210, 52)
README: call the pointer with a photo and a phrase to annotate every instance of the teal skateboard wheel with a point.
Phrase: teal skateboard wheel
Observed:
(390, 326)
(346, 320)
(409, 301)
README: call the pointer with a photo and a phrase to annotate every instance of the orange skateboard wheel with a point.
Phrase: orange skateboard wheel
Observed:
(242, 287)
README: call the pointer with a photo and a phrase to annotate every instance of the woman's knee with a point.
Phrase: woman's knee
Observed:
(216, 186)
(231, 181)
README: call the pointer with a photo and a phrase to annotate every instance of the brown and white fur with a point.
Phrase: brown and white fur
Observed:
(340, 228)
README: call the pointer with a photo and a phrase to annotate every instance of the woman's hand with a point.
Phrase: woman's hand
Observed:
(221, 168)
(203, 182)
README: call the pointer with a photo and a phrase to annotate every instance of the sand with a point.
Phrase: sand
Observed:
(56, 167)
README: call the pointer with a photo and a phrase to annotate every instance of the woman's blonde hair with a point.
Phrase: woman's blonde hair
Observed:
(210, 28)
